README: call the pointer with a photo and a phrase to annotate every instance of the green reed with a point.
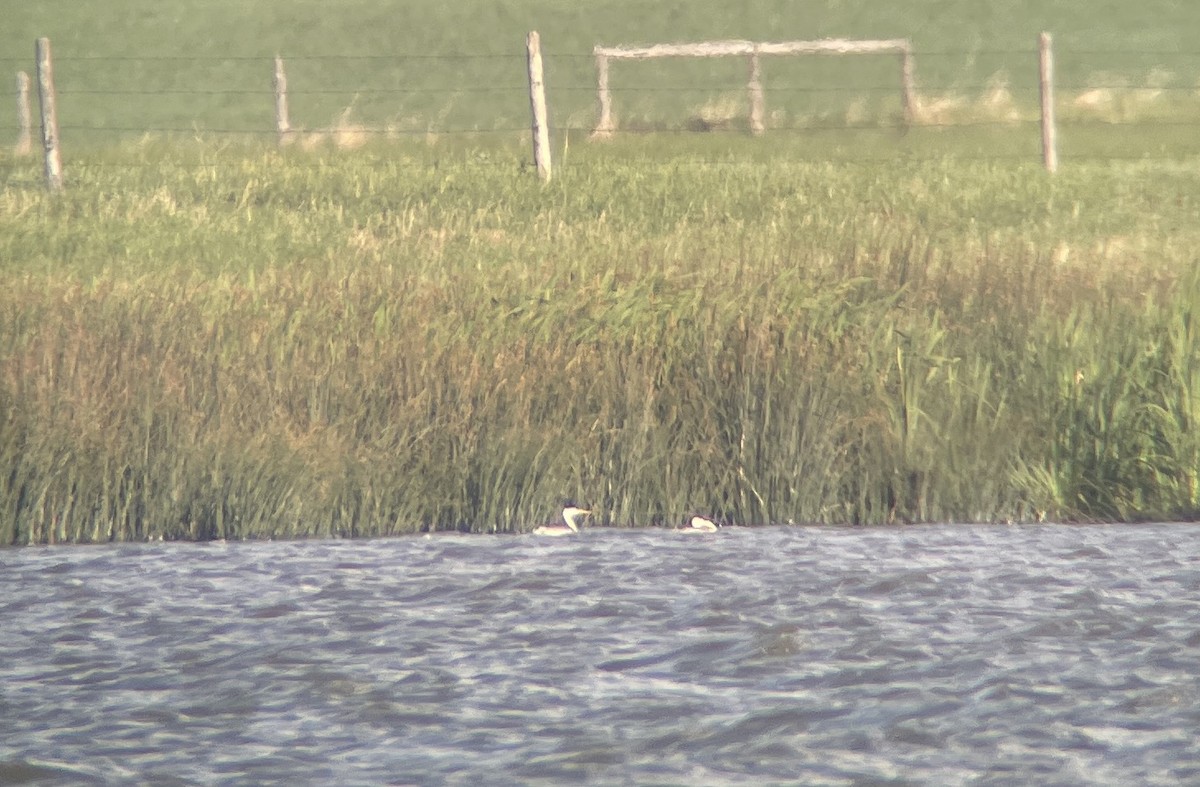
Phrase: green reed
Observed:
(235, 343)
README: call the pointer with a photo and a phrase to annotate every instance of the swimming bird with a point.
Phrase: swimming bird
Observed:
(699, 524)
(571, 516)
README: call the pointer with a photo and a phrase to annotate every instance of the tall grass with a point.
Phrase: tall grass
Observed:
(239, 343)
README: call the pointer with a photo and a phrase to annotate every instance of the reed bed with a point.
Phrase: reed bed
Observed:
(241, 343)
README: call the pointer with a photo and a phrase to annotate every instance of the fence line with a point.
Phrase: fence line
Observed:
(754, 50)
(591, 88)
(269, 58)
(641, 130)
(644, 130)
(918, 108)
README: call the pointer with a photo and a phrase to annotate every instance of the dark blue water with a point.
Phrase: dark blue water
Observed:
(948, 654)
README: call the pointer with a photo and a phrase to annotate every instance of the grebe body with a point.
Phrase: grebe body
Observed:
(571, 516)
(699, 524)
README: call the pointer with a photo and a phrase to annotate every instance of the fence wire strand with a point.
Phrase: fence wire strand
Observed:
(933, 97)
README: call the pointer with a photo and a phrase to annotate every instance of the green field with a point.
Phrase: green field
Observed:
(206, 337)
(406, 68)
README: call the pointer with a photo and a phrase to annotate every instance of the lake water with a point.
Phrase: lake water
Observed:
(938, 654)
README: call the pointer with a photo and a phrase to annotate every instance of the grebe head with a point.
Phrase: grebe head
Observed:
(572, 515)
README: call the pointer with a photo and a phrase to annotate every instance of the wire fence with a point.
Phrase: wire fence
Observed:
(974, 104)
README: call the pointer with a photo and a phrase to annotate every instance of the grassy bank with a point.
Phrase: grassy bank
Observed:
(209, 342)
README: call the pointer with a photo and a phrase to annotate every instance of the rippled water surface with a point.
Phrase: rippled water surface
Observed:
(948, 654)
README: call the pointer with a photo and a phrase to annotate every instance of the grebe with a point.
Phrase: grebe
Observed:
(571, 516)
(699, 524)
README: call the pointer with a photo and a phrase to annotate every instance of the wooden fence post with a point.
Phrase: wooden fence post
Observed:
(1046, 83)
(50, 143)
(605, 127)
(537, 105)
(756, 95)
(282, 124)
(24, 144)
(908, 86)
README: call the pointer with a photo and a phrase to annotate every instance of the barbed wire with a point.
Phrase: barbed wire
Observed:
(819, 121)
(289, 58)
(516, 55)
(517, 52)
(663, 88)
(305, 92)
(643, 128)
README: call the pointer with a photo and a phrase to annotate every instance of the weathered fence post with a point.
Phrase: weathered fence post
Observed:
(756, 95)
(50, 143)
(908, 86)
(537, 105)
(1046, 83)
(605, 127)
(24, 144)
(282, 125)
